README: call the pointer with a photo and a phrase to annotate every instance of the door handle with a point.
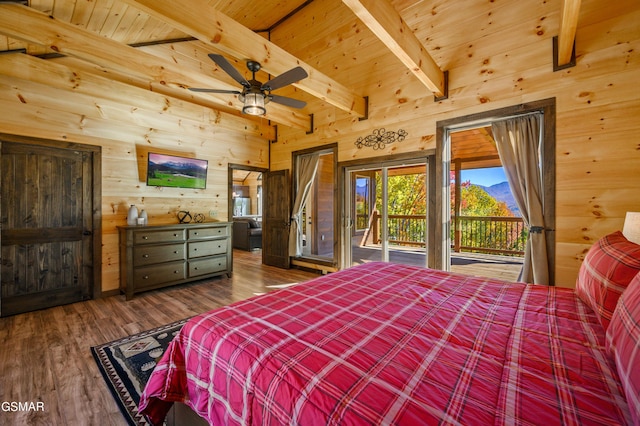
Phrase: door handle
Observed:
(87, 233)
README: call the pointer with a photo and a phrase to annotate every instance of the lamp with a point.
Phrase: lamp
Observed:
(253, 103)
(631, 228)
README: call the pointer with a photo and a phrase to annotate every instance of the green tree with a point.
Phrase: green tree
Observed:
(407, 197)
(475, 201)
(407, 194)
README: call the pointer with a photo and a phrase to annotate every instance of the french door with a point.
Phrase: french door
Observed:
(385, 213)
(441, 178)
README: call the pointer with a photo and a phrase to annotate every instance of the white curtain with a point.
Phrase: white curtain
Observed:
(307, 167)
(518, 141)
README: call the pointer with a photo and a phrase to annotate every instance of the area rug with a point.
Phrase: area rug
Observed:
(126, 365)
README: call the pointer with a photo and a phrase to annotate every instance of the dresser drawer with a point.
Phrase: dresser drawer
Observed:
(157, 256)
(207, 266)
(207, 248)
(199, 233)
(150, 276)
(147, 255)
(147, 237)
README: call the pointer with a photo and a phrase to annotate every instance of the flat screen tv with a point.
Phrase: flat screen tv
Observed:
(177, 172)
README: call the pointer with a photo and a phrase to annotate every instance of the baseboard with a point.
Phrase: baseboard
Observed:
(314, 266)
(110, 293)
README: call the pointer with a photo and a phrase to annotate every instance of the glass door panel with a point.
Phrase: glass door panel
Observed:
(317, 221)
(362, 201)
(406, 207)
(362, 229)
(385, 214)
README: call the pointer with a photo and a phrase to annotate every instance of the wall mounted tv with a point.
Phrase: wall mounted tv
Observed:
(177, 172)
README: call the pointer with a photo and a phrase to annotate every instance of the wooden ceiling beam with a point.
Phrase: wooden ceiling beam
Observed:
(488, 135)
(198, 19)
(481, 162)
(63, 73)
(387, 24)
(24, 23)
(568, 27)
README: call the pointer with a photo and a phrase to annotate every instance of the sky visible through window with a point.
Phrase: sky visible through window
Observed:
(484, 177)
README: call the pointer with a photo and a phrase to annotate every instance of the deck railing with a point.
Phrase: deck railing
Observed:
(362, 221)
(495, 234)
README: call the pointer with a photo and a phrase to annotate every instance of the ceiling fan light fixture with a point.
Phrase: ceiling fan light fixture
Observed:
(255, 95)
(254, 104)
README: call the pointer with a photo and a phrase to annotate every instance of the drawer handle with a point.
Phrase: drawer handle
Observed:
(195, 233)
(145, 237)
(146, 256)
(146, 277)
(175, 252)
(176, 272)
(195, 249)
(175, 235)
(196, 268)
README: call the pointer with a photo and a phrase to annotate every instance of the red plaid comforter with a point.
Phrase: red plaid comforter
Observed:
(383, 343)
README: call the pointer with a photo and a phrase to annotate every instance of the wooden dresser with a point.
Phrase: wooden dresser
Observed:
(159, 256)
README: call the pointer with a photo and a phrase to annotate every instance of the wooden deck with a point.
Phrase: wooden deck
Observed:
(487, 265)
(484, 265)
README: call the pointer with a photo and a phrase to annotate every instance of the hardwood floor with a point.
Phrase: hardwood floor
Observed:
(45, 355)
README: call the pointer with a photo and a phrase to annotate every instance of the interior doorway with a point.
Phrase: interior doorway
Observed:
(246, 206)
(246, 194)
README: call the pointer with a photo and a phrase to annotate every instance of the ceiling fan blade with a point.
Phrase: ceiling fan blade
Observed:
(286, 78)
(226, 66)
(294, 103)
(196, 89)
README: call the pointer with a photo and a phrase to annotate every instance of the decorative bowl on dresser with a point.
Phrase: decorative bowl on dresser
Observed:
(158, 256)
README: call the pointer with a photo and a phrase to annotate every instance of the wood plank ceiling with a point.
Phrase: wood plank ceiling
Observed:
(119, 39)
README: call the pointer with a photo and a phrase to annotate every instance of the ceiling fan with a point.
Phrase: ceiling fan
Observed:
(255, 94)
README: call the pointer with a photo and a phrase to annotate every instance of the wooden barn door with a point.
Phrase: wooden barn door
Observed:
(47, 227)
(275, 219)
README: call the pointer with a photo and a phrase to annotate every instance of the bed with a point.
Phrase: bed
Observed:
(382, 343)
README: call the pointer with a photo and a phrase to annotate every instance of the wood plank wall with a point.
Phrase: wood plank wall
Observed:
(498, 54)
(53, 101)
